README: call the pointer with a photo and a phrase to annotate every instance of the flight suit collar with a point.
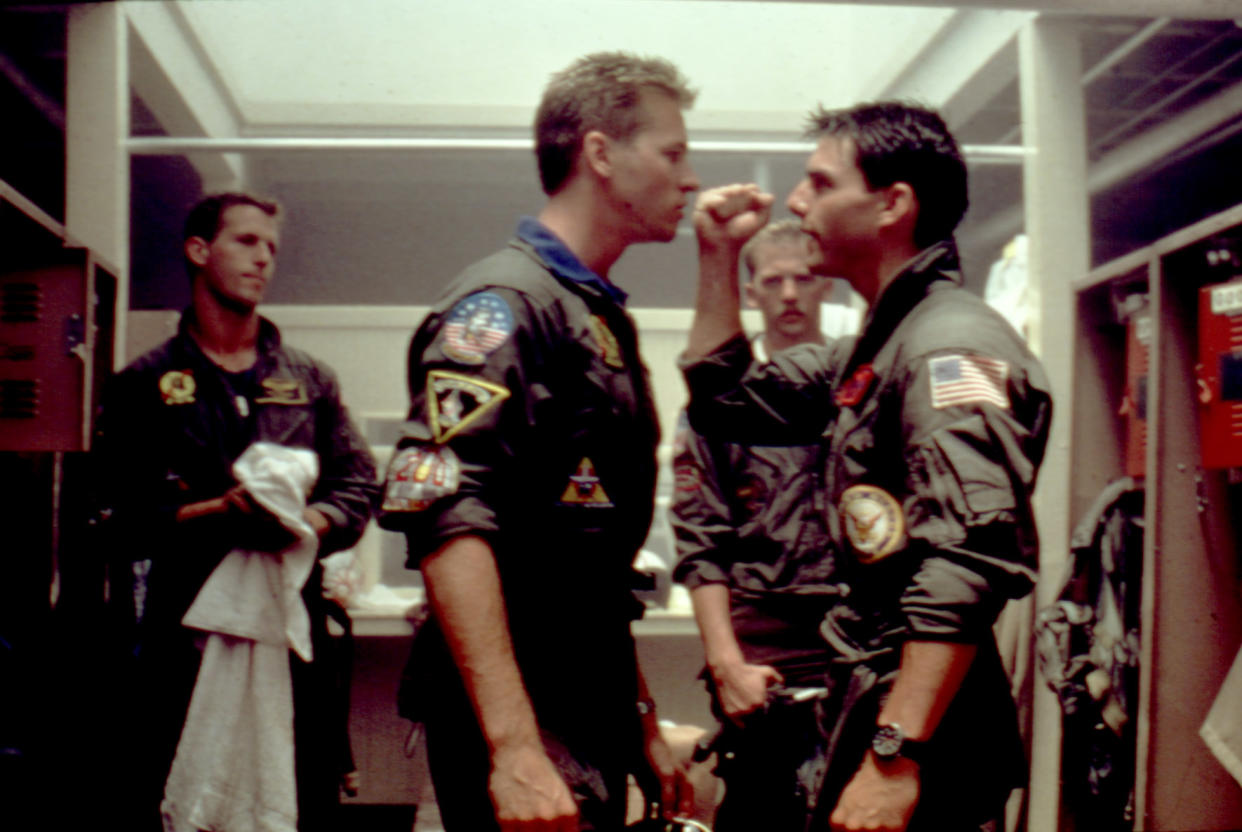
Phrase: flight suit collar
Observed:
(935, 263)
(564, 263)
(269, 335)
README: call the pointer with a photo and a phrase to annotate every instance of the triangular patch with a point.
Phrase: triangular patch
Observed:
(584, 486)
(455, 401)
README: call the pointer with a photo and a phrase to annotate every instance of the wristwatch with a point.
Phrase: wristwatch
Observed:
(890, 742)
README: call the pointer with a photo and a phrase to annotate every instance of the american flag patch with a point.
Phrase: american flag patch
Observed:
(967, 379)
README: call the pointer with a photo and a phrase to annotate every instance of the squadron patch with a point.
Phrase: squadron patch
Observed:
(873, 521)
(968, 379)
(420, 475)
(177, 387)
(605, 342)
(455, 401)
(852, 391)
(475, 326)
(287, 391)
(584, 487)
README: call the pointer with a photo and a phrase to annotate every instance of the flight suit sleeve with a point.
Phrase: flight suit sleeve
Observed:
(700, 515)
(787, 400)
(974, 429)
(474, 393)
(345, 491)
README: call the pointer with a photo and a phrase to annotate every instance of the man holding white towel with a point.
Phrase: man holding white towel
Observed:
(172, 426)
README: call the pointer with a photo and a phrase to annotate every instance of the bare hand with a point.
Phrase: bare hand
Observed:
(676, 790)
(743, 688)
(880, 798)
(728, 216)
(528, 792)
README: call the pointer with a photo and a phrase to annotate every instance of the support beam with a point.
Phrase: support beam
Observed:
(173, 76)
(964, 66)
(1195, 9)
(96, 163)
(1058, 226)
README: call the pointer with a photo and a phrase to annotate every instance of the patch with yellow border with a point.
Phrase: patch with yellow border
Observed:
(177, 387)
(455, 401)
(286, 391)
(585, 488)
(873, 522)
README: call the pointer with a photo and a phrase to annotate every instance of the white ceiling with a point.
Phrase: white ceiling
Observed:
(394, 63)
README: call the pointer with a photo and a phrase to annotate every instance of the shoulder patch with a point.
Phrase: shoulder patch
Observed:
(177, 387)
(455, 401)
(855, 389)
(475, 326)
(873, 521)
(968, 379)
(418, 476)
(606, 344)
(584, 487)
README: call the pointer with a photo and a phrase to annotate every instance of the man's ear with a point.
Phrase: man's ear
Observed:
(197, 251)
(901, 205)
(597, 153)
(748, 289)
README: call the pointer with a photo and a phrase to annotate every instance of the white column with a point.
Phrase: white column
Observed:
(1058, 225)
(97, 164)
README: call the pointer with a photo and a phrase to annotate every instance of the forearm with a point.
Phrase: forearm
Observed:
(463, 586)
(711, 613)
(930, 675)
(717, 309)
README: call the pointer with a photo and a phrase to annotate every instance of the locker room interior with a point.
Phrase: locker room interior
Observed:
(1103, 140)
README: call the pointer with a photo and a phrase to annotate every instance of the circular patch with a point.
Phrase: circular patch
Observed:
(873, 521)
(420, 475)
(177, 387)
(475, 327)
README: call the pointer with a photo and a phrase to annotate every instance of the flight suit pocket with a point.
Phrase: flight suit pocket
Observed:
(983, 481)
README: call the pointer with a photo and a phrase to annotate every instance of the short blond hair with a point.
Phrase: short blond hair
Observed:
(597, 92)
(774, 233)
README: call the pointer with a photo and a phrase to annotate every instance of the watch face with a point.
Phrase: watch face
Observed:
(887, 741)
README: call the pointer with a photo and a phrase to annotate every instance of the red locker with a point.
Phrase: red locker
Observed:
(1220, 374)
(55, 349)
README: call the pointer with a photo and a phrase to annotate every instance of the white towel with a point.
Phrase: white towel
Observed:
(234, 770)
(1222, 730)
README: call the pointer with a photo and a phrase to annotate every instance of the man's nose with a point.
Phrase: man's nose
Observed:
(796, 202)
(690, 181)
(789, 290)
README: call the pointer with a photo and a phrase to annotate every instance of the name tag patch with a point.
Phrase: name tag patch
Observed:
(286, 391)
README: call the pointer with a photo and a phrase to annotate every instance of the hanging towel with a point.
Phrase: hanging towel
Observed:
(1222, 730)
(234, 770)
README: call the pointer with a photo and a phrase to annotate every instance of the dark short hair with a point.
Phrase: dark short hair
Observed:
(206, 217)
(597, 92)
(896, 141)
(786, 231)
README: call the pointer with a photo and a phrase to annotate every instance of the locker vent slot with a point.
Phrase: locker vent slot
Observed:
(19, 398)
(21, 302)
